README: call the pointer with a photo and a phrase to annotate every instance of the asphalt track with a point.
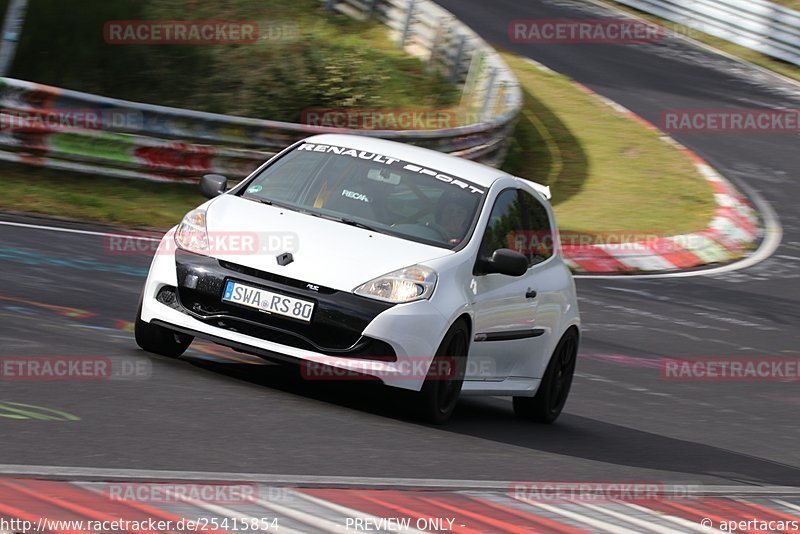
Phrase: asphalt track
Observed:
(66, 294)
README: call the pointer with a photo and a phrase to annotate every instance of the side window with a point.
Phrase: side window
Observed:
(504, 223)
(537, 240)
(519, 221)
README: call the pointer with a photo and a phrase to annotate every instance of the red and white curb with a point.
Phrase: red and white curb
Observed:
(75, 506)
(732, 232)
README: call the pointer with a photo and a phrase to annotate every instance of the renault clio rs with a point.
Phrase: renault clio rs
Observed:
(381, 259)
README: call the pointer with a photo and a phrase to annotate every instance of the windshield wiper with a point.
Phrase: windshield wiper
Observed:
(269, 202)
(345, 220)
(357, 224)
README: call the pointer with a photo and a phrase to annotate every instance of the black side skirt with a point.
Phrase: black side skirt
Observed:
(509, 335)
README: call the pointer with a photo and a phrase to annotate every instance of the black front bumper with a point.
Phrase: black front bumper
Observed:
(336, 325)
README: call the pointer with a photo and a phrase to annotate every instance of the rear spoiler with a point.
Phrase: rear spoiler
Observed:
(543, 190)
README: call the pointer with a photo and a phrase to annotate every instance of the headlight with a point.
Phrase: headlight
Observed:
(404, 285)
(192, 234)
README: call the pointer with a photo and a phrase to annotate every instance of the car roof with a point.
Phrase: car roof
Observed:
(477, 173)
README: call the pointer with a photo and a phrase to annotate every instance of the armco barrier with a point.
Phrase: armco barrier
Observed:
(144, 141)
(426, 30)
(757, 24)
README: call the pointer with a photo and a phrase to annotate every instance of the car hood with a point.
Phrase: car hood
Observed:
(325, 252)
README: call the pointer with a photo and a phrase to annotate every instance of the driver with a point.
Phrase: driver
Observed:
(453, 216)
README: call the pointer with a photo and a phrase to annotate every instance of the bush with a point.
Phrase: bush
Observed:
(331, 61)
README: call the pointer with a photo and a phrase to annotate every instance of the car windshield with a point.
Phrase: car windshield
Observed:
(378, 192)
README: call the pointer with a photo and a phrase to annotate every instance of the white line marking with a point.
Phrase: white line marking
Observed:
(216, 509)
(540, 66)
(685, 523)
(580, 518)
(639, 292)
(234, 514)
(345, 511)
(788, 505)
(321, 525)
(74, 231)
(646, 525)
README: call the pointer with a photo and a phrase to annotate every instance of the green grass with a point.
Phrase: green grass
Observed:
(95, 198)
(792, 4)
(608, 172)
(318, 59)
(757, 58)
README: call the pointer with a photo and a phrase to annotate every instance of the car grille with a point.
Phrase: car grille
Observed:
(271, 277)
(213, 314)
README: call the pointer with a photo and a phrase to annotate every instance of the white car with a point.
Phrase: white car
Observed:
(355, 256)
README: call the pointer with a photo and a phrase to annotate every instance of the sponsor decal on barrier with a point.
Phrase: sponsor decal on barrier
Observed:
(177, 156)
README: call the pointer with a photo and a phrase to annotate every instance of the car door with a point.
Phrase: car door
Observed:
(513, 315)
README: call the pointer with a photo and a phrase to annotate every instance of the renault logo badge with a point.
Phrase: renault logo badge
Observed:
(285, 259)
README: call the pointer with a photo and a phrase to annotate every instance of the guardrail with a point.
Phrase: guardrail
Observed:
(428, 31)
(143, 141)
(763, 26)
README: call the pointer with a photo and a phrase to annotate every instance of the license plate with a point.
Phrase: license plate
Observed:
(267, 301)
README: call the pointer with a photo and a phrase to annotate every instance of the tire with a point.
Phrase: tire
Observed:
(439, 395)
(157, 339)
(552, 395)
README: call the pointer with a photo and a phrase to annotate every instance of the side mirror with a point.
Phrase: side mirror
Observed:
(213, 185)
(505, 261)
